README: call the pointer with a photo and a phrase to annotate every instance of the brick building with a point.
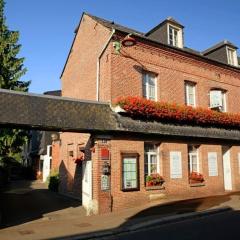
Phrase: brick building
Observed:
(113, 171)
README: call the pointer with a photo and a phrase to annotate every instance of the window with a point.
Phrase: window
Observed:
(190, 95)
(151, 159)
(149, 86)
(130, 172)
(70, 153)
(173, 36)
(193, 159)
(212, 164)
(232, 56)
(175, 165)
(218, 100)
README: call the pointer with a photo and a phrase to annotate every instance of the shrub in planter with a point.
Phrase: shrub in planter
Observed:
(53, 182)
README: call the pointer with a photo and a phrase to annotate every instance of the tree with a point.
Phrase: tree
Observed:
(11, 70)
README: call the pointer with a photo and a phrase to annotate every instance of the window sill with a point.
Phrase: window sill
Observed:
(154, 188)
(197, 184)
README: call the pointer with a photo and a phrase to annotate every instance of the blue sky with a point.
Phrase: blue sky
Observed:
(46, 27)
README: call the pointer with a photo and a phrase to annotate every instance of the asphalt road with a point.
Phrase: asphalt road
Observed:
(222, 226)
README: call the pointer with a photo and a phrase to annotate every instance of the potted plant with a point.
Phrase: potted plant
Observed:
(196, 177)
(154, 179)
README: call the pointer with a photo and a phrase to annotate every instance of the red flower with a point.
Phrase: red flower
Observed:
(145, 109)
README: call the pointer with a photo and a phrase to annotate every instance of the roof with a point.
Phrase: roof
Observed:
(111, 24)
(126, 30)
(52, 113)
(53, 93)
(219, 45)
(168, 20)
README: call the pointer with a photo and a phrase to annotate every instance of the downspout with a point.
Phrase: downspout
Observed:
(98, 64)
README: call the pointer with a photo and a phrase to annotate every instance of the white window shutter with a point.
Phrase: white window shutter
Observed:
(212, 164)
(175, 164)
(216, 98)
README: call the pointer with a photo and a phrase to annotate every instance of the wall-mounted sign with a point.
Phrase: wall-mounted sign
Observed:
(104, 154)
(105, 183)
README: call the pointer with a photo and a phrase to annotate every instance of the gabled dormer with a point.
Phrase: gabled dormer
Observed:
(168, 32)
(224, 51)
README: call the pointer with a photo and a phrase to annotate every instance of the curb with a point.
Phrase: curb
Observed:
(149, 224)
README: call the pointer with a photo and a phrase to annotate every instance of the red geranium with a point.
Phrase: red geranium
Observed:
(145, 109)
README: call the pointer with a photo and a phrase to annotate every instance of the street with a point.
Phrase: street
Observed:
(219, 226)
(26, 201)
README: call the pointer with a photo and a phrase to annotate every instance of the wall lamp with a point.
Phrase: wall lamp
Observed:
(128, 41)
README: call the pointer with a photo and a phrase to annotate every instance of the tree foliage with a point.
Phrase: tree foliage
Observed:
(11, 71)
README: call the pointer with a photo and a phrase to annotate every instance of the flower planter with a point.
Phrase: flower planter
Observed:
(160, 187)
(144, 109)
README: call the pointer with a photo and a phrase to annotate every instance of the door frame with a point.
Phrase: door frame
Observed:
(227, 170)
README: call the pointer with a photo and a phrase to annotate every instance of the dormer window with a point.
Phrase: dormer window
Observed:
(232, 56)
(174, 36)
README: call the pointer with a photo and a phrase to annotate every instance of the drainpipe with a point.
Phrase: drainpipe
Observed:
(98, 64)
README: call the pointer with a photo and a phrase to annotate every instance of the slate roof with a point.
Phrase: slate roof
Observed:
(126, 30)
(33, 111)
(219, 45)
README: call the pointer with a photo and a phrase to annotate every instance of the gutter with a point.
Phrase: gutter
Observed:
(98, 64)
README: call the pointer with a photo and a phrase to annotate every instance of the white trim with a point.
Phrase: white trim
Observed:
(149, 154)
(179, 35)
(187, 101)
(234, 60)
(145, 83)
(191, 154)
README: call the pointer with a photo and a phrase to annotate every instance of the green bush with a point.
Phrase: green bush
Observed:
(53, 181)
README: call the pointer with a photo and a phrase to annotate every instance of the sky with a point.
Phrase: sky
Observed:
(47, 27)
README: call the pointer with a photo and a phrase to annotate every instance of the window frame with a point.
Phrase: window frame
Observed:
(233, 59)
(129, 155)
(147, 163)
(145, 85)
(190, 159)
(179, 37)
(188, 84)
(224, 99)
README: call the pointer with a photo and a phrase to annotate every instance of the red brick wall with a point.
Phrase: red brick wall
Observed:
(55, 155)
(213, 185)
(172, 70)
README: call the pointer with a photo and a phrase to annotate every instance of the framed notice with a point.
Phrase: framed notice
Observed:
(130, 172)
(212, 164)
(175, 165)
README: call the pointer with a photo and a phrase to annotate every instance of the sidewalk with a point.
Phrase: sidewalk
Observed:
(66, 223)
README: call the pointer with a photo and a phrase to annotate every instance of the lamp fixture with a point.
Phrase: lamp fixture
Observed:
(129, 41)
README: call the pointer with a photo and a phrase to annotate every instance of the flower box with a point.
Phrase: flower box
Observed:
(148, 110)
(154, 180)
(195, 178)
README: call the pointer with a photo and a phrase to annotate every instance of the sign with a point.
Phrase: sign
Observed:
(104, 154)
(105, 183)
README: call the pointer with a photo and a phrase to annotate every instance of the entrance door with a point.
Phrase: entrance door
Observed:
(227, 169)
(86, 183)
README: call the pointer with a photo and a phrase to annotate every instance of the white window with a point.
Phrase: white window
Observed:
(149, 86)
(232, 56)
(212, 164)
(193, 159)
(190, 95)
(175, 165)
(151, 159)
(175, 36)
(218, 100)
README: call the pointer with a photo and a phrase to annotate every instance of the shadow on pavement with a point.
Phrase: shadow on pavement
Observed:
(23, 202)
(168, 209)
